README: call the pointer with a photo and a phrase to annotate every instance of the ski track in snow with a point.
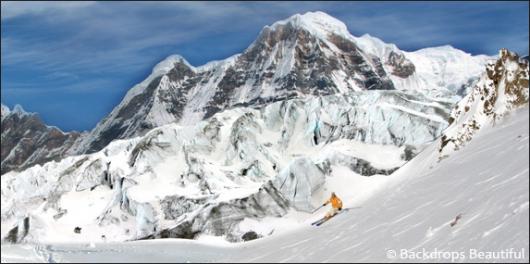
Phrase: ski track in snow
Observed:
(412, 210)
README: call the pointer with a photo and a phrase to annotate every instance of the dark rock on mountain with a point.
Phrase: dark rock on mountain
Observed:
(502, 89)
(27, 141)
(401, 66)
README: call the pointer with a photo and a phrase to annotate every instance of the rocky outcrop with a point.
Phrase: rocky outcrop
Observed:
(19, 232)
(401, 66)
(503, 88)
(27, 141)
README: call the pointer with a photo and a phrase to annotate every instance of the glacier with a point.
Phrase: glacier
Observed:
(241, 163)
(411, 211)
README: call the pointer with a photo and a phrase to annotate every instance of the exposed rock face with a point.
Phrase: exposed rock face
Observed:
(250, 235)
(27, 141)
(503, 88)
(19, 232)
(401, 66)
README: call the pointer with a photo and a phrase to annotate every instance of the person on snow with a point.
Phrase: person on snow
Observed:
(336, 205)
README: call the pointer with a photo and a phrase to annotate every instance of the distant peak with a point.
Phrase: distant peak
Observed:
(443, 50)
(168, 63)
(17, 109)
(448, 47)
(4, 110)
(505, 53)
(317, 22)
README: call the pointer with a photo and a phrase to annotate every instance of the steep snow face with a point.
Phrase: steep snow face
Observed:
(242, 163)
(443, 72)
(446, 70)
(501, 89)
(27, 141)
(305, 55)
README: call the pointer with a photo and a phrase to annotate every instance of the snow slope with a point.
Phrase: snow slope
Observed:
(485, 182)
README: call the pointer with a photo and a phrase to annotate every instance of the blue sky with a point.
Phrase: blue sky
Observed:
(72, 62)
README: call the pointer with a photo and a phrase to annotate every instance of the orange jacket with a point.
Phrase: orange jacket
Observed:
(335, 202)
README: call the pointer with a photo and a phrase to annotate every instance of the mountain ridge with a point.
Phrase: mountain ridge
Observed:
(269, 70)
(303, 55)
(27, 140)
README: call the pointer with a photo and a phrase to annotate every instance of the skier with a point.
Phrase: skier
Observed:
(336, 205)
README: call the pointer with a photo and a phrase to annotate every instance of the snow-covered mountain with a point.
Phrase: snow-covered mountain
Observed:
(470, 207)
(304, 55)
(223, 148)
(27, 141)
(502, 88)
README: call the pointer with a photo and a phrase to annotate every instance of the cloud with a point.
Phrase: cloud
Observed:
(12, 9)
(102, 38)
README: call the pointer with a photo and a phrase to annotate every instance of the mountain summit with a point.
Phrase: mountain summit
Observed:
(304, 55)
(309, 54)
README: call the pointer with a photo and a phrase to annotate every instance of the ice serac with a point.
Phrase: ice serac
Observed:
(299, 180)
(27, 141)
(304, 55)
(501, 89)
(240, 164)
